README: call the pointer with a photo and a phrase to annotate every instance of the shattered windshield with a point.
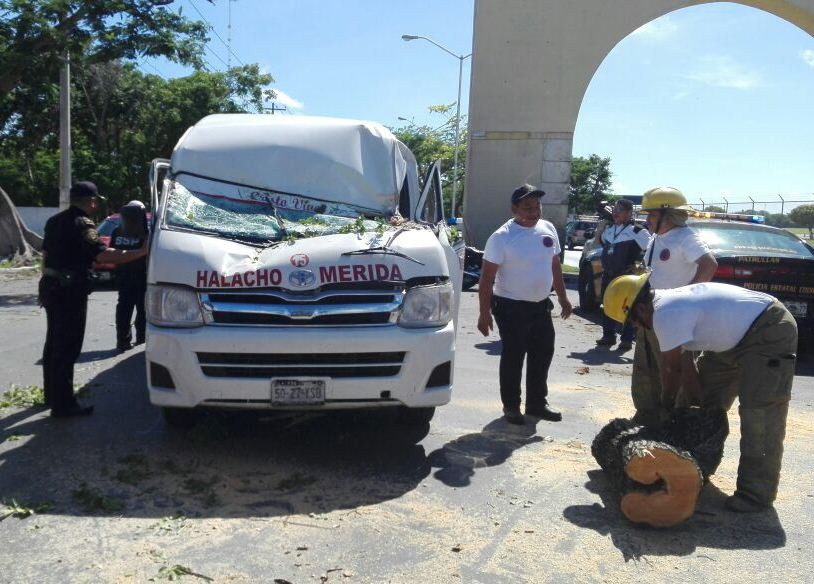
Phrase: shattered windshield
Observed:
(259, 216)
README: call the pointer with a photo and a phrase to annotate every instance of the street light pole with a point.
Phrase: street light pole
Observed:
(461, 59)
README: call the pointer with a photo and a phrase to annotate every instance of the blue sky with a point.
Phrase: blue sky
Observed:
(716, 99)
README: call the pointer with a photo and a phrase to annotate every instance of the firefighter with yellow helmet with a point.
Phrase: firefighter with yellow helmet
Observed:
(676, 256)
(748, 341)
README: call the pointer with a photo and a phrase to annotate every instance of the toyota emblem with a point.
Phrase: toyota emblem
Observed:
(302, 278)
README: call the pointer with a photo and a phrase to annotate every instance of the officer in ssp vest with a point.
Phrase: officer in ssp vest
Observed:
(622, 242)
(676, 256)
(521, 262)
(748, 339)
(70, 245)
(132, 277)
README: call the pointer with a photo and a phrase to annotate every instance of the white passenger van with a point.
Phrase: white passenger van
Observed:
(296, 264)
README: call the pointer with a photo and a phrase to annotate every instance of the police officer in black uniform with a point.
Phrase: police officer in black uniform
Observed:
(132, 277)
(622, 243)
(70, 246)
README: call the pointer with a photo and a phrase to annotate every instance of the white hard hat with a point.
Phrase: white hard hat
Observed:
(136, 204)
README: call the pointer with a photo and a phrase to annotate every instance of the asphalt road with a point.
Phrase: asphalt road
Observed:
(352, 499)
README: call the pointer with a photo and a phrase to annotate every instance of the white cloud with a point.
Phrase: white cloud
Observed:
(724, 72)
(657, 30)
(287, 100)
(808, 57)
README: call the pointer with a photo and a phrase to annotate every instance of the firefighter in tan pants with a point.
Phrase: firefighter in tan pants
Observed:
(676, 256)
(748, 340)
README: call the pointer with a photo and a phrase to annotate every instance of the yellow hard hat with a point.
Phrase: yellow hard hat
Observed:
(621, 294)
(664, 198)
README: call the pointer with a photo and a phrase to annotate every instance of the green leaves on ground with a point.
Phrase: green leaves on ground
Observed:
(22, 397)
(176, 572)
(13, 508)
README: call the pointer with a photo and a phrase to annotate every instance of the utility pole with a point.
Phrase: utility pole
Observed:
(229, 36)
(65, 132)
(275, 108)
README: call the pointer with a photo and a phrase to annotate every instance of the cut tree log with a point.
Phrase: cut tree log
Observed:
(659, 472)
(18, 243)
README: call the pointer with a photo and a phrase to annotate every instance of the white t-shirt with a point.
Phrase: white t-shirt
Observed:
(706, 317)
(674, 257)
(524, 256)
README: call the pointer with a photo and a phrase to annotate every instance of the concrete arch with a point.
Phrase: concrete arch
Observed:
(532, 63)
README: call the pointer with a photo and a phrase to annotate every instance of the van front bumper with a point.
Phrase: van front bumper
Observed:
(233, 367)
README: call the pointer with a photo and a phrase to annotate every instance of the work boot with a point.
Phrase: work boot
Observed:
(513, 416)
(123, 347)
(544, 413)
(740, 503)
(625, 346)
(606, 341)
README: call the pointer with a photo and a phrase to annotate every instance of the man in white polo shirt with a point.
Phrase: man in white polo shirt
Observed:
(748, 339)
(521, 263)
(676, 256)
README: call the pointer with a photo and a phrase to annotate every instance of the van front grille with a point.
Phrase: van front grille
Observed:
(324, 307)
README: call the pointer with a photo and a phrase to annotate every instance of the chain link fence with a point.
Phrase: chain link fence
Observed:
(779, 205)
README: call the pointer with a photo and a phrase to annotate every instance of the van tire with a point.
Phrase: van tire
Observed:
(180, 417)
(585, 287)
(415, 416)
(570, 243)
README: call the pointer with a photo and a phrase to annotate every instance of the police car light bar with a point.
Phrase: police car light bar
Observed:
(727, 216)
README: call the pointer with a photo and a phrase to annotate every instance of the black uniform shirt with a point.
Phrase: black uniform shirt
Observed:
(71, 242)
(621, 246)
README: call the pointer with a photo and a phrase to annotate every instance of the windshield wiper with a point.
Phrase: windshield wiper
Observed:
(247, 239)
(383, 251)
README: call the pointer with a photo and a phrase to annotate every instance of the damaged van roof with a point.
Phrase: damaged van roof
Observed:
(349, 161)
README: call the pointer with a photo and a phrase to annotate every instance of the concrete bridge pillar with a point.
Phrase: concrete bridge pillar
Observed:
(532, 62)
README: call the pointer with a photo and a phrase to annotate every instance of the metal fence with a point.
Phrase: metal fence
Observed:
(780, 204)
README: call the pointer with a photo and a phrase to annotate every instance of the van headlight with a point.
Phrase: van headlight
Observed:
(175, 306)
(426, 306)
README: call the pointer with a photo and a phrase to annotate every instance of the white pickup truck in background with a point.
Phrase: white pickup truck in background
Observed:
(296, 264)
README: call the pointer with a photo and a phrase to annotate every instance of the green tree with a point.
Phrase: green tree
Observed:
(430, 143)
(803, 216)
(714, 209)
(36, 34)
(122, 119)
(591, 180)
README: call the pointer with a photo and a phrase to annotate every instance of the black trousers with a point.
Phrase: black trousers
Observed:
(66, 314)
(525, 330)
(131, 297)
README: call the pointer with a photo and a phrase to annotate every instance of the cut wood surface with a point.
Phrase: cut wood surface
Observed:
(659, 472)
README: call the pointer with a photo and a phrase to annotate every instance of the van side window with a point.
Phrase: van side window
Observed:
(404, 199)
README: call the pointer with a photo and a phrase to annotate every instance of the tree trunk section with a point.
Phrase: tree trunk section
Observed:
(17, 243)
(659, 472)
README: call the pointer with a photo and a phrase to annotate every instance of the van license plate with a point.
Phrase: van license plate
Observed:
(297, 392)
(796, 308)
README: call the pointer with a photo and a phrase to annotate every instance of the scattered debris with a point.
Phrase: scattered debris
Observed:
(583, 370)
(92, 501)
(21, 511)
(457, 548)
(176, 572)
(22, 397)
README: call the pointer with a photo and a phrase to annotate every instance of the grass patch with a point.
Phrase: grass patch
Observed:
(22, 397)
(296, 482)
(92, 501)
(19, 510)
(566, 269)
